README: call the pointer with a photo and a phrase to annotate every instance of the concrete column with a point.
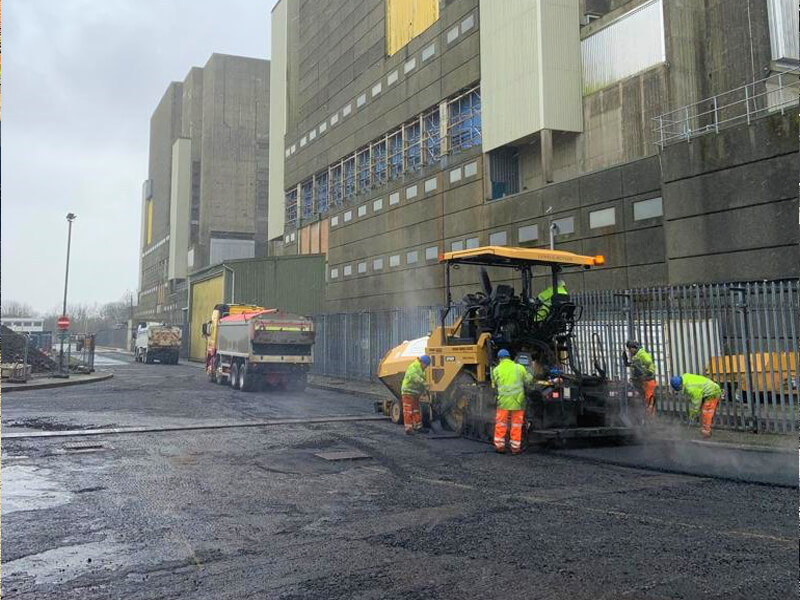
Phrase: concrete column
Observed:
(546, 143)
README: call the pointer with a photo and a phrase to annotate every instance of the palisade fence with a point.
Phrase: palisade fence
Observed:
(744, 336)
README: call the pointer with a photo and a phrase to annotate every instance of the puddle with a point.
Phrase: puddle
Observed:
(30, 488)
(64, 563)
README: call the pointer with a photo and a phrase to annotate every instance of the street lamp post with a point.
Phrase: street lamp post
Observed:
(64, 372)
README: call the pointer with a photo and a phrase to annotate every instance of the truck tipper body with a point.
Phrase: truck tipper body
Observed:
(250, 346)
(157, 342)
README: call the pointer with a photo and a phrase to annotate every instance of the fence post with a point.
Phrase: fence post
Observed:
(742, 306)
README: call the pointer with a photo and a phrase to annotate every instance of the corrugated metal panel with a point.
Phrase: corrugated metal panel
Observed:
(292, 283)
(783, 28)
(277, 121)
(530, 68)
(205, 295)
(406, 19)
(629, 45)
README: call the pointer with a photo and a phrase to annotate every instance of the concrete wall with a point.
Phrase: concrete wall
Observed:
(731, 204)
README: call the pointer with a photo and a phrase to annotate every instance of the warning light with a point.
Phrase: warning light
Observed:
(599, 259)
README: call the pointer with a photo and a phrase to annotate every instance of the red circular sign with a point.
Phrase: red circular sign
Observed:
(63, 322)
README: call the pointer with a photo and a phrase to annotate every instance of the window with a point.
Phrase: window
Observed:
(377, 264)
(394, 260)
(349, 178)
(334, 221)
(395, 154)
(307, 193)
(364, 171)
(411, 192)
(409, 65)
(457, 246)
(336, 193)
(361, 100)
(565, 226)
(452, 35)
(430, 185)
(392, 78)
(432, 253)
(334, 273)
(291, 207)
(428, 52)
(379, 163)
(473, 243)
(376, 89)
(323, 127)
(312, 135)
(504, 169)
(362, 210)
(362, 267)
(348, 270)
(455, 175)
(647, 209)
(377, 205)
(334, 119)
(394, 198)
(348, 216)
(467, 23)
(471, 169)
(347, 110)
(413, 147)
(433, 136)
(321, 181)
(528, 233)
(498, 239)
(411, 257)
(464, 127)
(607, 54)
(303, 141)
(602, 218)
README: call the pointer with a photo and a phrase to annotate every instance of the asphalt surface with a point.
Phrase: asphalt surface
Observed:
(254, 513)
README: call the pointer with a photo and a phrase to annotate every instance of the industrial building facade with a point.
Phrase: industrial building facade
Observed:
(205, 198)
(660, 134)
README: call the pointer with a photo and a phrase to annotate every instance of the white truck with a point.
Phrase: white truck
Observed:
(157, 342)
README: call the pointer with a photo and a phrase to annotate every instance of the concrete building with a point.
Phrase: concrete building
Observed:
(661, 134)
(205, 198)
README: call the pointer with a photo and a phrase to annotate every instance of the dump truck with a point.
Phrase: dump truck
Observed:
(250, 346)
(568, 400)
(157, 342)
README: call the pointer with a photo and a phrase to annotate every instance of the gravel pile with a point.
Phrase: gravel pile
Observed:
(12, 349)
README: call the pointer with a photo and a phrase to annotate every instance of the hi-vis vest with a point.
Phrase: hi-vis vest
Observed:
(509, 379)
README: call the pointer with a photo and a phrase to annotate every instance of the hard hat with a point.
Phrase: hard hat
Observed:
(633, 344)
(425, 359)
(676, 382)
(503, 354)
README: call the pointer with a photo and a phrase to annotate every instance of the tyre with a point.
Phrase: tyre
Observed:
(234, 376)
(245, 378)
(396, 412)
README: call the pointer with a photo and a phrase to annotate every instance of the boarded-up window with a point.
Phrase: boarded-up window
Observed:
(406, 19)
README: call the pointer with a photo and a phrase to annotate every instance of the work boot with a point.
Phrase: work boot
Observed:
(410, 432)
(500, 450)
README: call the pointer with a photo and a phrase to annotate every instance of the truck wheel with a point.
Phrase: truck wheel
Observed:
(234, 376)
(245, 378)
(396, 412)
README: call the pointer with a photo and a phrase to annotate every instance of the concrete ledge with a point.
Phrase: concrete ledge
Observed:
(54, 382)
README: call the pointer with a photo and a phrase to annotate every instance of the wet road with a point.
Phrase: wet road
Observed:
(253, 512)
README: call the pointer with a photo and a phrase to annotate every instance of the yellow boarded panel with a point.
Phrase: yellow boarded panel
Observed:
(205, 296)
(149, 222)
(406, 19)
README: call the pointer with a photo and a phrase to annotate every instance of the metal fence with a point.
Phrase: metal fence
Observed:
(743, 336)
(773, 94)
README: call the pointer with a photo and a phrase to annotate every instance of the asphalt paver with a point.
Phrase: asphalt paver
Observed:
(256, 513)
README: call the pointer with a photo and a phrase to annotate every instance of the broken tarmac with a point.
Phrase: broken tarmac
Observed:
(254, 511)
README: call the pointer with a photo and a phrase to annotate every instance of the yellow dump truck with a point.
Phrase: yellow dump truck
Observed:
(771, 373)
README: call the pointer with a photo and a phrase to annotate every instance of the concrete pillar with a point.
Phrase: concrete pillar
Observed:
(546, 143)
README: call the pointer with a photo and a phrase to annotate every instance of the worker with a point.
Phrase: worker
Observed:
(414, 385)
(643, 375)
(545, 299)
(703, 396)
(510, 380)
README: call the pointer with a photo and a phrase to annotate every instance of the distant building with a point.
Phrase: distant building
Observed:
(205, 198)
(660, 134)
(23, 324)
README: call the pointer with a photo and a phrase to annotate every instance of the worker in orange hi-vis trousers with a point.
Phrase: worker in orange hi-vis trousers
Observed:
(643, 376)
(704, 396)
(509, 379)
(414, 385)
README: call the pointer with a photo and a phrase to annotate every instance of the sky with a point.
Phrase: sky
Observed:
(80, 81)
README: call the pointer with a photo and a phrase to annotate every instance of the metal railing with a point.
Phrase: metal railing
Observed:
(745, 337)
(773, 94)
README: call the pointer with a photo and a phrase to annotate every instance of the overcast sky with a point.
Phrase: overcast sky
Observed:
(80, 80)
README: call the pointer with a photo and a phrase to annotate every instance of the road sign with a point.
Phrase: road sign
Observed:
(63, 322)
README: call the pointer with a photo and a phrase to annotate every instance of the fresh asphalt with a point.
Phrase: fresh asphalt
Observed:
(238, 512)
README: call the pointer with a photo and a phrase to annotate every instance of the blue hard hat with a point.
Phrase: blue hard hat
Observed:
(676, 382)
(425, 359)
(503, 354)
